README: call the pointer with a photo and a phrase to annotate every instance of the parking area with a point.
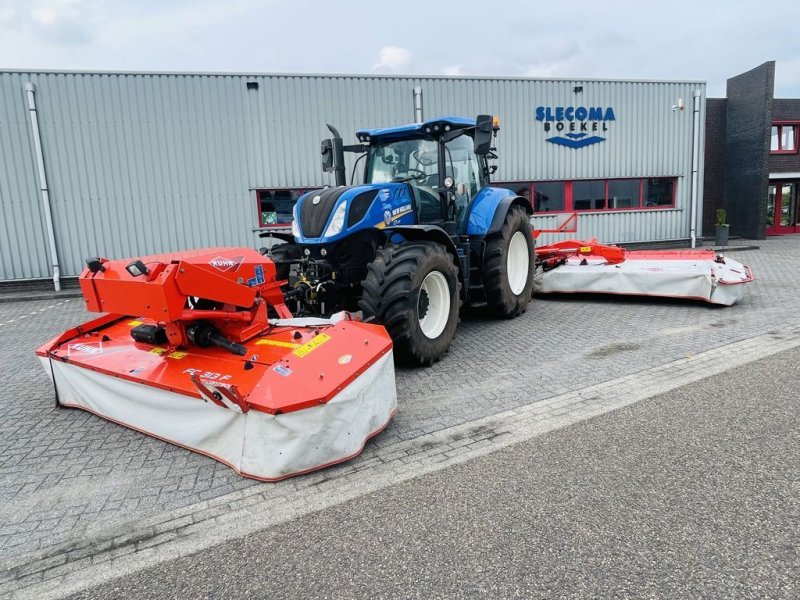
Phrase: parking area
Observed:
(66, 474)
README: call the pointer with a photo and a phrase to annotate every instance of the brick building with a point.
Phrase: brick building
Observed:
(752, 164)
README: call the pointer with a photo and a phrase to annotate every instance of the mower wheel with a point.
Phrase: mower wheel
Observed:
(287, 251)
(508, 266)
(413, 290)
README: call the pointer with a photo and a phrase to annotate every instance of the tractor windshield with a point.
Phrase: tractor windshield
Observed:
(406, 160)
(416, 162)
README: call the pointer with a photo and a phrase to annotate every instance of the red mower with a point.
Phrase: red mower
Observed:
(198, 348)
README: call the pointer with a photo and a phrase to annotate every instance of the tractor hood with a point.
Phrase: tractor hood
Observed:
(327, 215)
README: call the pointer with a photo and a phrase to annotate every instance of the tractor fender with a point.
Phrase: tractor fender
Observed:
(489, 208)
(430, 233)
(502, 210)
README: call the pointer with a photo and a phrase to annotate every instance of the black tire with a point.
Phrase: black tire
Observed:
(287, 251)
(500, 298)
(391, 294)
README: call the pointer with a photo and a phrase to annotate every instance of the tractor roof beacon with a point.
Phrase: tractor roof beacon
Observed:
(422, 235)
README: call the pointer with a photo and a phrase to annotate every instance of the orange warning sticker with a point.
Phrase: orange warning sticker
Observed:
(277, 343)
(311, 345)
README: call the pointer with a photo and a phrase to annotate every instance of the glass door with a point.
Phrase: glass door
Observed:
(782, 208)
(773, 191)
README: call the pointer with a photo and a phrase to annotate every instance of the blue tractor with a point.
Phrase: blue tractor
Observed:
(424, 234)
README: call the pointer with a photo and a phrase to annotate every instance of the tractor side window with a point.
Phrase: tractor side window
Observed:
(463, 163)
(463, 166)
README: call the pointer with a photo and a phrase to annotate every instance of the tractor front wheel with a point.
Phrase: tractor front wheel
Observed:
(413, 290)
(508, 266)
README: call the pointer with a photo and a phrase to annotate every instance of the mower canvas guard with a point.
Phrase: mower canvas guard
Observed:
(198, 349)
(575, 266)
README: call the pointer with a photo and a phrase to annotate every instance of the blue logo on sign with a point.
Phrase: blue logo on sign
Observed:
(576, 126)
(258, 279)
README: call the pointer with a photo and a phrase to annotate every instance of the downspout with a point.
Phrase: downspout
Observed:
(695, 166)
(418, 104)
(48, 217)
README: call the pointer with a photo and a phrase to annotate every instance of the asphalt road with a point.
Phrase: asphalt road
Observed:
(695, 493)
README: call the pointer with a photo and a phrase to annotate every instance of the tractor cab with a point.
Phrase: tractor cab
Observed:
(444, 162)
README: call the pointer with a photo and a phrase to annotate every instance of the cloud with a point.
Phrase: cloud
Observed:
(619, 41)
(557, 58)
(393, 59)
(8, 16)
(59, 21)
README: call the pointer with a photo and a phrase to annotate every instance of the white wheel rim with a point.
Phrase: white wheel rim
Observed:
(436, 293)
(517, 263)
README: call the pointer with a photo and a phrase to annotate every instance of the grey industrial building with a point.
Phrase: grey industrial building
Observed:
(126, 164)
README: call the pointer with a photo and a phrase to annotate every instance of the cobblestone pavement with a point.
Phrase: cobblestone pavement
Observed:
(66, 475)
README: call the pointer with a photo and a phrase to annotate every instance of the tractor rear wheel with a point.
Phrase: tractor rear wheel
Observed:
(413, 290)
(284, 252)
(508, 266)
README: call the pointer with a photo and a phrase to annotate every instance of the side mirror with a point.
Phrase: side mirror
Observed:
(483, 134)
(326, 152)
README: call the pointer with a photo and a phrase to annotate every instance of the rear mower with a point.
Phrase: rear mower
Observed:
(423, 235)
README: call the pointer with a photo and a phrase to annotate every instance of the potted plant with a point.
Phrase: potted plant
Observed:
(721, 231)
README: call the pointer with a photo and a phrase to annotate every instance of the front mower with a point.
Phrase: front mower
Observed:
(197, 348)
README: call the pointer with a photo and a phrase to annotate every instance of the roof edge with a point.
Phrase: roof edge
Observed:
(338, 75)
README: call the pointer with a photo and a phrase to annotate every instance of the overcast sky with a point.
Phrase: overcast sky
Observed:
(670, 39)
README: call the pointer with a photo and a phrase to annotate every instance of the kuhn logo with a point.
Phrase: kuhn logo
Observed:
(577, 122)
(226, 264)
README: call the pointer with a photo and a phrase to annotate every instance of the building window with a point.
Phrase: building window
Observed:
(596, 194)
(624, 193)
(549, 196)
(784, 138)
(588, 195)
(658, 192)
(275, 206)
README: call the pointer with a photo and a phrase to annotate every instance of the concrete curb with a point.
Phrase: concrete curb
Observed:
(34, 296)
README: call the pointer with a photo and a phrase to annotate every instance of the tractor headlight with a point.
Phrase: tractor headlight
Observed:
(337, 221)
(295, 222)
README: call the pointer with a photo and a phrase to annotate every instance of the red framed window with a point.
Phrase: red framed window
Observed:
(275, 205)
(597, 195)
(783, 138)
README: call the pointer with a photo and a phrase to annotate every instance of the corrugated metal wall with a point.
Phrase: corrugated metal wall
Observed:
(143, 163)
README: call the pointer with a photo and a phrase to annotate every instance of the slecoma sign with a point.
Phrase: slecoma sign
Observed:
(575, 126)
